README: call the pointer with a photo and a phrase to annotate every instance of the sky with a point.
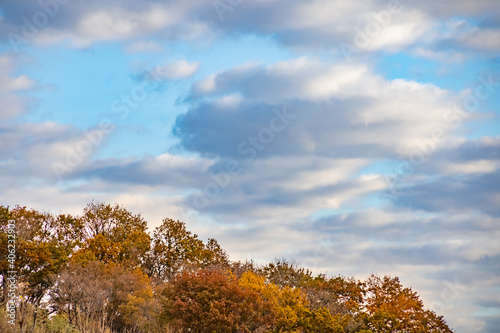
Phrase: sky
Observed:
(352, 137)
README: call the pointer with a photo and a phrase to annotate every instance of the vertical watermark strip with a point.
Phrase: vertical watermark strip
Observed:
(11, 273)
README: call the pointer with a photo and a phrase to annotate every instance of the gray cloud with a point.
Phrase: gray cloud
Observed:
(298, 24)
(465, 177)
(30, 151)
(160, 171)
(473, 192)
(336, 111)
(440, 249)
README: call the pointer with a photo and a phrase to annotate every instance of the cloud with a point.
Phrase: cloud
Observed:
(13, 106)
(327, 134)
(175, 70)
(144, 46)
(72, 199)
(280, 189)
(299, 24)
(480, 39)
(459, 8)
(472, 192)
(13, 102)
(335, 110)
(123, 23)
(83, 24)
(438, 228)
(301, 78)
(47, 150)
(451, 260)
(461, 178)
(53, 166)
(157, 78)
(448, 257)
(460, 39)
(165, 170)
(16, 83)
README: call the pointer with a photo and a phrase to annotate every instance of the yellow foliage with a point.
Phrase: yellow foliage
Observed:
(289, 304)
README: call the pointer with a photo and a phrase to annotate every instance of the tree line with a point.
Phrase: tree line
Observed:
(104, 272)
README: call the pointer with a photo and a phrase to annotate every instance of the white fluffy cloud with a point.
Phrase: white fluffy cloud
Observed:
(175, 70)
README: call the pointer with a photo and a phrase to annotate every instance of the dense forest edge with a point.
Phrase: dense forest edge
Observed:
(104, 272)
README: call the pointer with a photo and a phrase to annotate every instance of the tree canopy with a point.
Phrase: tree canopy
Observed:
(103, 271)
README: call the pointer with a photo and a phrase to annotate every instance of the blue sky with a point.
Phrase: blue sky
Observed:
(350, 136)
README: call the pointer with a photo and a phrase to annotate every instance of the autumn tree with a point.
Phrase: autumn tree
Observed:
(94, 294)
(285, 273)
(341, 296)
(44, 243)
(214, 254)
(81, 293)
(208, 300)
(393, 308)
(141, 312)
(174, 248)
(5, 216)
(125, 282)
(289, 308)
(113, 234)
(103, 272)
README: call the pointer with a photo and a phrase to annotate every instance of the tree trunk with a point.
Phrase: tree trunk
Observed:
(34, 317)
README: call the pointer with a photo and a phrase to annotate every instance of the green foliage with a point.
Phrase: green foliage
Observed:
(55, 324)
